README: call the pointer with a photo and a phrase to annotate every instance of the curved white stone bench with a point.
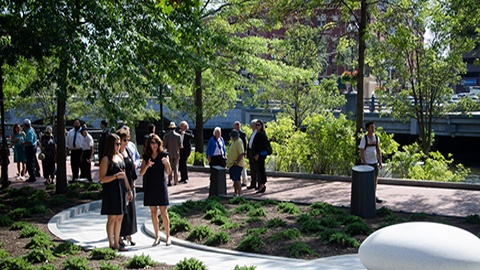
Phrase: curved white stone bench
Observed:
(420, 245)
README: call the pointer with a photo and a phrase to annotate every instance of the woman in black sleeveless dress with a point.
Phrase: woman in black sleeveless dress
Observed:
(116, 190)
(129, 221)
(154, 166)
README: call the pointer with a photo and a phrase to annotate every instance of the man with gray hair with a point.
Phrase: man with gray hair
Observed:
(254, 174)
(186, 135)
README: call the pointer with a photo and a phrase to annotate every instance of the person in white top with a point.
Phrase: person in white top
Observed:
(254, 174)
(370, 151)
(73, 144)
(87, 155)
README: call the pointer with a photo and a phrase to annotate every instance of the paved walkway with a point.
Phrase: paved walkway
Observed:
(85, 226)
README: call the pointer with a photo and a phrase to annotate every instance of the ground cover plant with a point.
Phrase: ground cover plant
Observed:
(286, 229)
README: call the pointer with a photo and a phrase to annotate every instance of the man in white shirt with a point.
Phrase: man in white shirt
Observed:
(370, 152)
(254, 174)
(87, 155)
(73, 143)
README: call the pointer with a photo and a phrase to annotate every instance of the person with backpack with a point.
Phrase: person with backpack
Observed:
(370, 152)
(49, 151)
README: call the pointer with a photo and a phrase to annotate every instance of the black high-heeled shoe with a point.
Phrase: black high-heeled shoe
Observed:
(129, 240)
(262, 190)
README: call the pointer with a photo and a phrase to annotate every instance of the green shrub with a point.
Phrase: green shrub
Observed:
(190, 264)
(30, 231)
(59, 200)
(298, 249)
(218, 239)
(40, 241)
(41, 209)
(393, 219)
(329, 222)
(348, 218)
(76, 263)
(419, 216)
(176, 210)
(257, 231)
(3, 254)
(18, 263)
(287, 234)
(243, 208)
(109, 266)
(179, 225)
(472, 219)
(384, 211)
(67, 248)
(90, 195)
(19, 213)
(219, 220)
(5, 221)
(229, 225)
(251, 243)
(268, 201)
(94, 187)
(213, 203)
(39, 255)
(253, 219)
(343, 240)
(213, 213)
(19, 225)
(358, 228)
(324, 209)
(289, 208)
(309, 224)
(47, 266)
(199, 233)
(103, 254)
(244, 267)
(141, 261)
(276, 222)
(257, 212)
(238, 200)
(326, 233)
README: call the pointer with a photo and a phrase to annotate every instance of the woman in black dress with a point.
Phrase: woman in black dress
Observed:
(116, 190)
(129, 221)
(259, 148)
(154, 166)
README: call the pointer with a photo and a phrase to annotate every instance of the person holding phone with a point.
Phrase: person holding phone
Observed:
(155, 164)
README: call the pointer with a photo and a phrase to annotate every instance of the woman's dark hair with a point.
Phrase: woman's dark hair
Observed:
(148, 149)
(367, 125)
(13, 128)
(263, 125)
(110, 145)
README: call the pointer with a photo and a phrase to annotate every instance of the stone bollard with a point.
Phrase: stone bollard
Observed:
(218, 181)
(362, 201)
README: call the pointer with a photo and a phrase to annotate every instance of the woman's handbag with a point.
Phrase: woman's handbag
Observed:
(41, 156)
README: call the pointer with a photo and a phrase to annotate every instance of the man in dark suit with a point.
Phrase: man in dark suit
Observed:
(243, 137)
(103, 138)
(172, 144)
(254, 174)
(186, 135)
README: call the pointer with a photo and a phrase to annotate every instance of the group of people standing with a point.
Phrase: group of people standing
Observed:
(256, 148)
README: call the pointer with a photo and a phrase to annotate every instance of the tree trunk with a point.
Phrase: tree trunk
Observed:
(5, 148)
(61, 186)
(198, 115)
(361, 70)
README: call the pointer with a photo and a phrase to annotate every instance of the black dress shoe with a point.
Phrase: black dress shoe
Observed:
(377, 200)
(262, 190)
(31, 180)
(169, 184)
(250, 187)
(244, 185)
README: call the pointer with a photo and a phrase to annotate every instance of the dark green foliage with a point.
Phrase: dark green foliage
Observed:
(343, 240)
(18, 263)
(38, 197)
(358, 228)
(244, 267)
(39, 255)
(219, 220)
(67, 248)
(90, 195)
(5, 221)
(327, 232)
(21, 201)
(211, 204)
(179, 225)
(76, 263)
(257, 231)
(19, 225)
(47, 266)
(190, 264)
(472, 219)
(229, 225)
(393, 219)
(214, 213)
(289, 208)
(19, 213)
(276, 222)
(324, 209)
(40, 241)
(109, 266)
(218, 239)
(384, 211)
(268, 201)
(238, 200)
(253, 219)
(419, 216)
(299, 249)
(251, 243)
(348, 218)
(329, 222)
(61, 199)
(309, 224)
(30, 231)
(199, 233)
(141, 261)
(94, 187)
(41, 209)
(287, 234)
(103, 254)
(3, 254)
(257, 212)
(21, 192)
(243, 208)
(177, 209)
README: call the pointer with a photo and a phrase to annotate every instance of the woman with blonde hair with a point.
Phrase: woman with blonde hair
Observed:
(117, 192)
(154, 166)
